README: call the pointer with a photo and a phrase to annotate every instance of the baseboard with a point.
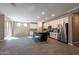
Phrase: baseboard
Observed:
(76, 42)
(70, 44)
(51, 38)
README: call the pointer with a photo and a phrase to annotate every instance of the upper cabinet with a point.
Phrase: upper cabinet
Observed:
(54, 23)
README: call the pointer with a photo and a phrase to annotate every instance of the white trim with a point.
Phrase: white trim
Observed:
(76, 42)
(73, 9)
(70, 44)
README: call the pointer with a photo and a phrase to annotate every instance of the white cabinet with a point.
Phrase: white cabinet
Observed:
(53, 35)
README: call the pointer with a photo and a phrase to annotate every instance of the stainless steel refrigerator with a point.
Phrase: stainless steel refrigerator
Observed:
(63, 32)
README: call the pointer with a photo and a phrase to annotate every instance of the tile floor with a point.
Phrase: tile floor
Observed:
(29, 46)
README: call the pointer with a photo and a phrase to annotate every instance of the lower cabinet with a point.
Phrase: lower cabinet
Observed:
(53, 35)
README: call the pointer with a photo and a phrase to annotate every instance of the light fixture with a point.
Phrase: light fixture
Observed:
(53, 15)
(25, 25)
(18, 24)
(43, 13)
(38, 17)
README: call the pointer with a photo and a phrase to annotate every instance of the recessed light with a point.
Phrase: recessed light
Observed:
(43, 13)
(38, 17)
(53, 15)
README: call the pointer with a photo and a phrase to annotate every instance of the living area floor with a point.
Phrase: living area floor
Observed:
(30, 46)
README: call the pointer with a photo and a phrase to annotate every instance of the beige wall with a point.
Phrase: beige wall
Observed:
(75, 27)
(1, 27)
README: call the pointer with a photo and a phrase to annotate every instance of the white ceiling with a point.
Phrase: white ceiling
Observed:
(28, 12)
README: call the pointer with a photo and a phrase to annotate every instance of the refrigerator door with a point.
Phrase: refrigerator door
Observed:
(63, 33)
(65, 27)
